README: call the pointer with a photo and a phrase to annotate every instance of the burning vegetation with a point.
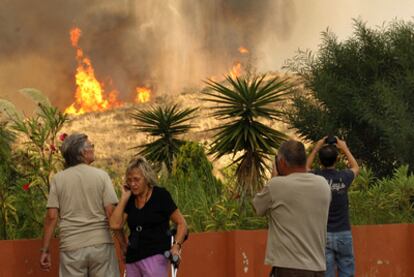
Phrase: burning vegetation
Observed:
(90, 95)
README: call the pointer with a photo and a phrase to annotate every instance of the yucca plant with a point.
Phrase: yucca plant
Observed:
(165, 124)
(242, 104)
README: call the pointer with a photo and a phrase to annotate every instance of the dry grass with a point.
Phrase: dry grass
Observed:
(113, 133)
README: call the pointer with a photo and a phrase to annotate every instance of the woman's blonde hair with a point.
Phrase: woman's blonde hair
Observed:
(142, 164)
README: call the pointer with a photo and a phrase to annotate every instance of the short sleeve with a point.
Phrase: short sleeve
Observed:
(130, 204)
(169, 205)
(109, 195)
(347, 177)
(52, 199)
(262, 201)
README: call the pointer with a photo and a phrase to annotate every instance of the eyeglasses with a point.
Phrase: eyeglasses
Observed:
(90, 146)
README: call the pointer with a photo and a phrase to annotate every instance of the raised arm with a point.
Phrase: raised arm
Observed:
(118, 217)
(353, 164)
(312, 155)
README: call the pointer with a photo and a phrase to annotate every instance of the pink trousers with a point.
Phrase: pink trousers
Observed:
(156, 265)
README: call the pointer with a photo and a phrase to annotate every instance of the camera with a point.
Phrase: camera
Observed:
(330, 140)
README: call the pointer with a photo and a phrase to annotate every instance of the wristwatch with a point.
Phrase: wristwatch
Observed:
(178, 243)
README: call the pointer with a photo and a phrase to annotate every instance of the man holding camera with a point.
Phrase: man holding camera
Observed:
(339, 250)
(296, 203)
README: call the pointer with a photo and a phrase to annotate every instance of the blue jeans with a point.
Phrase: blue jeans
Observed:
(339, 254)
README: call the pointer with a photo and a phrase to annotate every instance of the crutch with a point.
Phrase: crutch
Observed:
(174, 259)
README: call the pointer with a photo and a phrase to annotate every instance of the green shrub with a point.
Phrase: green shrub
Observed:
(33, 161)
(206, 203)
(361, 90)
(388, 200)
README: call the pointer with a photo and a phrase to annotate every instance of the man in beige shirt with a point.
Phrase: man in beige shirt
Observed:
(296, 204)
(82, 198)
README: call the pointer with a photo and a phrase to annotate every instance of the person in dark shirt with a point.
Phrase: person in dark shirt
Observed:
(339, 251)
(147, 209)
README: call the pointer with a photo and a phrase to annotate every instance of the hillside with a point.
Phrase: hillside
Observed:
(113, 133)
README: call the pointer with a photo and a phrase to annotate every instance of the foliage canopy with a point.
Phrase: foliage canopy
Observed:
(361, 89)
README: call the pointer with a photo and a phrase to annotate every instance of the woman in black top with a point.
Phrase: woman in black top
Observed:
(147, 209)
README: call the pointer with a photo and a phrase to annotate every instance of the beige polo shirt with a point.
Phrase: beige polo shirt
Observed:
(80, 193)
(297, 207)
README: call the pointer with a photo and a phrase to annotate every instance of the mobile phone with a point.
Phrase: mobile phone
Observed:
(126, 186)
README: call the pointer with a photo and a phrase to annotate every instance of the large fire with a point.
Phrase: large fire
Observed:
(90, 95)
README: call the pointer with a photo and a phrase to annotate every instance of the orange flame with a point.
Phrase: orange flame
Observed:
(243, 50)
(89, 94)
(236, 70)
(75, 34)
(143, 95)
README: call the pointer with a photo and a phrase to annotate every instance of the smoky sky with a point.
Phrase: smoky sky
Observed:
(167, 45)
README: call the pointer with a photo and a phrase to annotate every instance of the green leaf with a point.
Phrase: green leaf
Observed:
(36, 95)
(165, 124)
(9, 109)
(243, 103)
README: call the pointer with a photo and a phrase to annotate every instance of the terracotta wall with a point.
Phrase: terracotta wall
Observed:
(384, 250)
(380, 250)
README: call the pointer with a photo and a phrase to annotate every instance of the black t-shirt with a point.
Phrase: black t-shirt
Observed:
(339, 181)
(149, 225)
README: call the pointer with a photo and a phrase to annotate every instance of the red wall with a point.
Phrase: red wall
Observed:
(380, 251)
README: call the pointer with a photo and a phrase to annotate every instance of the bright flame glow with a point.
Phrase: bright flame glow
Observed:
(243, 50)
(143, 95)
(236, 70)
(90, 95)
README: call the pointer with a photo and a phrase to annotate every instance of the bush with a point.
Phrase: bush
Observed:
(8, 175)
(388, 200)
(25, 175)
(361, 90)
(206, 203)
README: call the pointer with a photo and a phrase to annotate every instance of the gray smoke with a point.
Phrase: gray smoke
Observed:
(165, 44)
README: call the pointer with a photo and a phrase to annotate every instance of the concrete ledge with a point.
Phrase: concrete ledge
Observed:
(380, 251)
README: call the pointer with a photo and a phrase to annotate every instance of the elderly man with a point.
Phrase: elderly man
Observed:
(297, 204)
(82, 198)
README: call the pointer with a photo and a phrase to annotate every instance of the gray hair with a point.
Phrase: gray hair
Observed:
(142, 164)
(293, 152)
(72, 148)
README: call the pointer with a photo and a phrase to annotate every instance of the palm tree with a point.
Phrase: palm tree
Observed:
(242, 104)
(165, 123)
